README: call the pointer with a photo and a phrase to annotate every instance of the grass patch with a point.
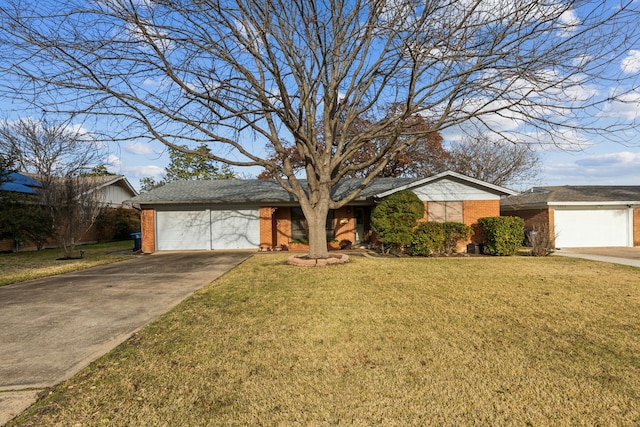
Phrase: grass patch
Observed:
(461, 341)
(27, 265)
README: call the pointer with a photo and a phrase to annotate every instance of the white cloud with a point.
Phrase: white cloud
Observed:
(631, 64)
(623, 159)
(140, 148)
(626, 106)
(618, 168)
(143, 171)
(112, 160)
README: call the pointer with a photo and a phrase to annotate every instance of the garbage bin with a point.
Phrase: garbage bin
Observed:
(137, 241)
(475, 248)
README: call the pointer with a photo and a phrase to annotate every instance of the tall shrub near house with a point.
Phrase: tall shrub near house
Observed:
(455, 232)
(428, 239)
(438, 238)
(395, 218)
(503, 234)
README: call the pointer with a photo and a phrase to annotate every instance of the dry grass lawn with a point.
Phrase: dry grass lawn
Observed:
(27, 265)
(447, 341)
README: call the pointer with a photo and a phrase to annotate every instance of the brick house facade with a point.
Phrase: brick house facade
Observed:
(259, 214)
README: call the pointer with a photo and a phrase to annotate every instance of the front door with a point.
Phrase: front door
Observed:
(360, 226)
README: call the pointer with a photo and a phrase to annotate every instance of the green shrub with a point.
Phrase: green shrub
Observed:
(394, 218)
(438, 238)
(428, 239)
(455, 232)
(503, 234)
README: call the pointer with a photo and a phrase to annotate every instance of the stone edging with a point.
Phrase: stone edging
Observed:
(303, 262)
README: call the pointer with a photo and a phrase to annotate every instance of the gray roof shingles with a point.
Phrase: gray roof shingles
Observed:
(252, 191)
(542, 196)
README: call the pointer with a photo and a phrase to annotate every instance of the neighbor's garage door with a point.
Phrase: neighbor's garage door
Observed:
(591, 228)
(207, 229)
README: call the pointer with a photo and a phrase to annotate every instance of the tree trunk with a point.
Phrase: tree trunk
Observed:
(317, 223)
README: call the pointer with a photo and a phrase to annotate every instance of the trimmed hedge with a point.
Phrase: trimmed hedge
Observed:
(438, 238)
(428, 239)
(503, 234)
(455, 232)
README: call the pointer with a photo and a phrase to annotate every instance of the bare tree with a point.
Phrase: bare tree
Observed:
(499, 162)
(73, 206)
(239, 74)
(57, 156)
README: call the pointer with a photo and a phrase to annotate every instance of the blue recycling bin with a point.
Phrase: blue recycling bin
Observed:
(137, 241)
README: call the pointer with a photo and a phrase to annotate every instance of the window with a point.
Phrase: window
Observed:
(445, 211)
(300, 227)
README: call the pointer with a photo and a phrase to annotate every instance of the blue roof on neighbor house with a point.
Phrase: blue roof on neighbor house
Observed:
(20, 183)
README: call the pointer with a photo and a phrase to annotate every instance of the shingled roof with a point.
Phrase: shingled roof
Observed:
(587, 194)
(253, 191)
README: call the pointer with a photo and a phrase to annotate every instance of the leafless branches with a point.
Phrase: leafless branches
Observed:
(239, 74)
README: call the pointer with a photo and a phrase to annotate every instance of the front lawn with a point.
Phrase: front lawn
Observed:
(27, 265)
(444, 341)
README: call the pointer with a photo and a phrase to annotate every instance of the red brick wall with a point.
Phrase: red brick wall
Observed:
(282, 217)
(536, 218)
(636, 227)
(147, 227)
(266, 227)
(345, 224)
(275, 226)
(473, 210)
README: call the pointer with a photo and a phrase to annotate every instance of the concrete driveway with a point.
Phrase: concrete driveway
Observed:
(616, 255)
(52, 328)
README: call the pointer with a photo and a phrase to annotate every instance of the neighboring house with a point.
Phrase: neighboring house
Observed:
(581, 216)
(114, 191)
(19, 183)
(259, 214)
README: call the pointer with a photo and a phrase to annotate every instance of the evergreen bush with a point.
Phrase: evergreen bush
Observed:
(503, 234)
(428, 239)
(395, 217)
(455, 232)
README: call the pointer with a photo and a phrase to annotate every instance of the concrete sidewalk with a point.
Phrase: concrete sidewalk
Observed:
(617, 255)
(53, 327)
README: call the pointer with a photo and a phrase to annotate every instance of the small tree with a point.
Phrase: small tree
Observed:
(503, 234)
(59, 156)
(73, 206)
(540, 240)
(395, 218)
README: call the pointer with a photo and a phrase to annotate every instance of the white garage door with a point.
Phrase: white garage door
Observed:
(592, 228)
(207, 229)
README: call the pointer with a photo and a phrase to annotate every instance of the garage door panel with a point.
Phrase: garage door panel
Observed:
(183, 230)
(591, 228)
(208, 229)
(235, 229)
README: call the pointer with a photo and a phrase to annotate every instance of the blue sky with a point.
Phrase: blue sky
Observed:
(601, 163)
(587, 159)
